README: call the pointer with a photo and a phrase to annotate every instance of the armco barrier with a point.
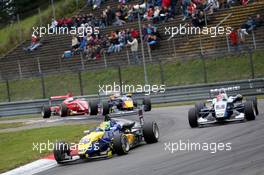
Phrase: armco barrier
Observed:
(172, 94)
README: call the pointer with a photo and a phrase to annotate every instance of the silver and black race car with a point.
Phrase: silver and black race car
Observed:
(223, 108)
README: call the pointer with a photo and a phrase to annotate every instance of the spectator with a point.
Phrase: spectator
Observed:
(241, 37)
(244, 2)
(75, 43)
(198, 20)
(35, 43)
(134, 33)
(152, 41)
(259, 20)
(53, 25)
(233, 36)
(164, 14)
(134, 49)
(212, 5)
(166, 3)
(248, 25)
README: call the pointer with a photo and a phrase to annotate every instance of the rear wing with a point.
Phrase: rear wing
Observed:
(59, 97)
(225, 89)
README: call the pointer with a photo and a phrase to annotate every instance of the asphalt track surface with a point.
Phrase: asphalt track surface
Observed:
(245, 158)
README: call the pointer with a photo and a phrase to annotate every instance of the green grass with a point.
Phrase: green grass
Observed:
(175, 73)
(11, 125)
(29, 116)
(16, 148)
(10, 35)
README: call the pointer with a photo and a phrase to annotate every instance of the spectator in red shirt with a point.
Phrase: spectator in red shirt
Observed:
(166, 3)
(134, 33)
(233, 37)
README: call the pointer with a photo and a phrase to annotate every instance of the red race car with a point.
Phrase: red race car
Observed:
(70, 106)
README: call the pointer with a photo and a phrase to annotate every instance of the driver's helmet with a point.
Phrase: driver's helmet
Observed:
(105, 125)
(222, 95)
(114, 96)
(69, 94)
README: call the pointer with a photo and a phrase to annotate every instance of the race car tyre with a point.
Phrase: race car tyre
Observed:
(120, 144)
(249, 110)
(46, 112)
(199, 106)
(150, 132)
(64, 110)
(61, 150)
(147, 104)
(192, 116)
(106, 108)
(135, 103)
(255, 103)
(93, 107)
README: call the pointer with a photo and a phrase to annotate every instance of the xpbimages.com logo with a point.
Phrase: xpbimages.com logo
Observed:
(125, 88)
(50, 146)
(187, 145)
(191, 30)
(80, 31)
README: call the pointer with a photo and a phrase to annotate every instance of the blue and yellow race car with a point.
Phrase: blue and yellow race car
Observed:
(118, 103)
(113, 136)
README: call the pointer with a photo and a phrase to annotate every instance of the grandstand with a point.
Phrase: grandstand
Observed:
(47, 59)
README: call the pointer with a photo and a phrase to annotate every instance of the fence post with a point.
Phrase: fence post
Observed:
(81, 82)
(120, 79)
(201, 47)
(128, 59)
(43, 86)
(77, 4)
(142, 49)
(161, 73)
(251, 63)
(53, 9)
(40, 18)
(174, 47)
(19, 29)
(227, 43)
(149, 52)
(19, 69)
(39, 66)
(254, 40)
(205, 17)
(82, 61)
(105, 62)
(8, 90)
(204, 68)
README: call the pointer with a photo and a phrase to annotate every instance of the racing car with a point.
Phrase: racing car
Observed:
(112, 136)
(69, 106)
(124, 103)
(223, 108)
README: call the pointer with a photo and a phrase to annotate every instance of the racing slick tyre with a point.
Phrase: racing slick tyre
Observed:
(255, 103)
(120, 144)
(46, 112)
(250, 112)
(64, 111)
(105, 107)
(135, 104)
(151, 132)
(61, 151)
(147, 104)
(93, 107)
(192, 116)
(199, 106)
